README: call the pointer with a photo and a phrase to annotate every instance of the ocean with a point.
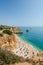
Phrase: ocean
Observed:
(34, 36)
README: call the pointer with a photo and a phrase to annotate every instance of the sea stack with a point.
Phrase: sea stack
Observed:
(27, 30)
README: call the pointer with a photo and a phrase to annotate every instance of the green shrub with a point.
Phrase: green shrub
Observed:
(1, 35)
(7, 32)
(8, 57)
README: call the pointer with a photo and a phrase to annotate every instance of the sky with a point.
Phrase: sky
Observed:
(21, 12)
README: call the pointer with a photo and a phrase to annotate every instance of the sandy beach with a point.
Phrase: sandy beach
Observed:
(24, 49)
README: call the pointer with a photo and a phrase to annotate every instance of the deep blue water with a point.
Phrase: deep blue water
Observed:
(34, 36)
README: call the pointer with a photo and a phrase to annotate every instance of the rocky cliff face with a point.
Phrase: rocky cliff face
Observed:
(8, 41)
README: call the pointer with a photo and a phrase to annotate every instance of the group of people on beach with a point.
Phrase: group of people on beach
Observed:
(23, 49)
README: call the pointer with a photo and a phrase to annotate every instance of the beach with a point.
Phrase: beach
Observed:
(24, 49)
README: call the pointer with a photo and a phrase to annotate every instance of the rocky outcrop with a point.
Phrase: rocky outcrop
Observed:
(17, 30)
(27, 30)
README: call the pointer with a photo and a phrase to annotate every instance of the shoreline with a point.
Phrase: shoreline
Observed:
(24, 49)
(29, 43)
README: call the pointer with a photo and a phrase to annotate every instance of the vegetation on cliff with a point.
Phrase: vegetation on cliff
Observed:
(7, 32)
(7, 57)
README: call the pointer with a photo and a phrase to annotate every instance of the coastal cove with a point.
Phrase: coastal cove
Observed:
(34, 37)
(17, 47)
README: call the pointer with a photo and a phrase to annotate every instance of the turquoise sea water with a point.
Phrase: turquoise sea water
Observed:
(34, 36)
